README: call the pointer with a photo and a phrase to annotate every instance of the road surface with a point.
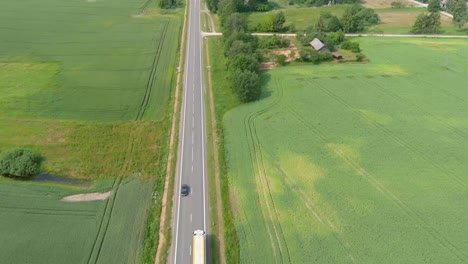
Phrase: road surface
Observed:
(191, 212)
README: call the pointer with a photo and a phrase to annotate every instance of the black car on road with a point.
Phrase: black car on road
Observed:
(184, 190)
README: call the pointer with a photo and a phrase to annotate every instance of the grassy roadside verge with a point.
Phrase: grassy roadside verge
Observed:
(157, 240)
(224, 100)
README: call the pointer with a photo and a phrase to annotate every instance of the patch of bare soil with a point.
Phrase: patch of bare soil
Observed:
(291, 54)
(86, 197)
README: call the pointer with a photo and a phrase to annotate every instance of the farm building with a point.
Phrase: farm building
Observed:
(318, 45)
(337, 56)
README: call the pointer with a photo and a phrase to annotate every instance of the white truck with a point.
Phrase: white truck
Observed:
(198, 247)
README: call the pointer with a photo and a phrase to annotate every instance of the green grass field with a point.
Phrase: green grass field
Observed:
(300, 17)
(37, 227)
(355, 163)
(401, 21)
(87, 84)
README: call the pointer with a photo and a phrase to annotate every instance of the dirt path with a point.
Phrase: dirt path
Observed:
(85, 197)
(172, 148)
(214, 136)
(405, 36)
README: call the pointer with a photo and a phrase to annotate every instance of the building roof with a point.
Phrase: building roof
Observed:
(317, 44)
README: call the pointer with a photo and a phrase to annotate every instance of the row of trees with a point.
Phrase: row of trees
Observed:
(243, 59)
(224, 6)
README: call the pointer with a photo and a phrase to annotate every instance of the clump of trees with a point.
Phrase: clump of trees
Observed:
(434, 6)
(351, 45)
(243, 59)
(19, 163)
(167, 4)
(273, 42)
(274, 23)
(459, 11)
(427, 23)
(357, 18)
(310, 55)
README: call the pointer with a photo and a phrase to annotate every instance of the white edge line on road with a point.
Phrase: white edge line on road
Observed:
(202, 106)
(183, 133)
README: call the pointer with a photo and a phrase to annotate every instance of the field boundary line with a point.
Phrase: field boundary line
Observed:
(108, 220)
(151, 77)
(103, 217)
(261, 170)
(173, 145)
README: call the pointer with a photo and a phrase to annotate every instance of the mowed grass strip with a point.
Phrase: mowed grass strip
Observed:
(355, 163)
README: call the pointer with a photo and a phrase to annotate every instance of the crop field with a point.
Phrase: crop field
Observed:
(37, 227)
(87, 85)
(88, 60)
(355, 163)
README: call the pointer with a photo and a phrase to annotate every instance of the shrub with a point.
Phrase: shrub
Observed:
(398, 4)
(352, 46)
(360, 57)
(427, 23)
(243, 62)
(20, 163)
(325, 56)
(273, 42)
(281, 59)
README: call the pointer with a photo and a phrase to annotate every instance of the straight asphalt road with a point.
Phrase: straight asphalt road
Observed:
(191, 212)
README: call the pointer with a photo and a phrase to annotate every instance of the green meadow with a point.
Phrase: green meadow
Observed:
(87, 84)
(355, 163)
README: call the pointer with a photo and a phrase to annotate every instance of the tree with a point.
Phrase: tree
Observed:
(247, 85)
(234, 23)
(225, 9)
(460, 14)
(356, 18)
(239, 47)
(434, 6)
(427, 23)
(166, 4)
(20, 163)
(309, 54)
(243, 62)
(212, 5)
(327, 23)
(278, 22)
